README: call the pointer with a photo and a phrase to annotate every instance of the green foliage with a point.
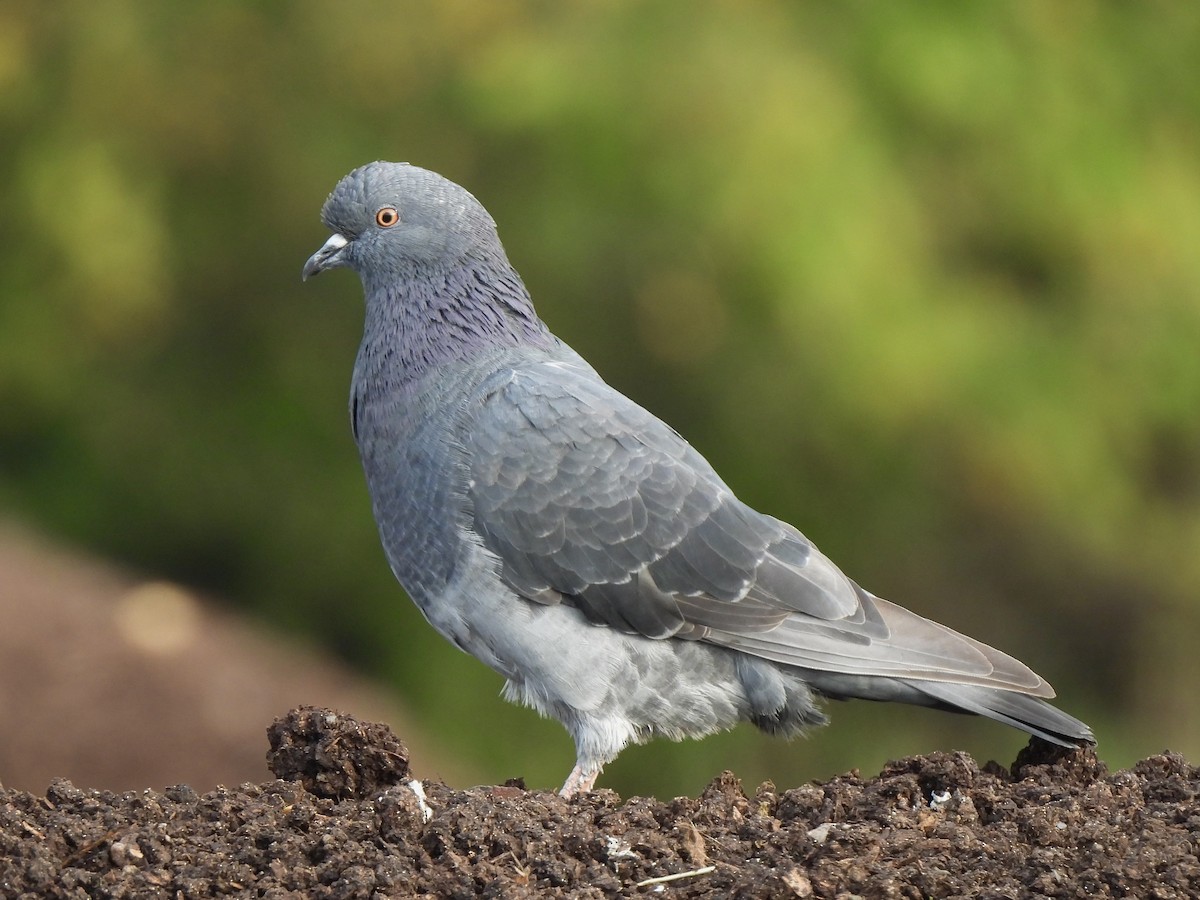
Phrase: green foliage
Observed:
(950, 251)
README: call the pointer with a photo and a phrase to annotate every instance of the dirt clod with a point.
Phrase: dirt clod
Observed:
(334, 755)
(344, 821)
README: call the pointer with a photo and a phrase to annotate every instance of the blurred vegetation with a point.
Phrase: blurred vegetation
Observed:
(923, 279)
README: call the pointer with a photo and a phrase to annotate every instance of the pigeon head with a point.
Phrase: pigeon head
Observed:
(391, 220)
(437, 283)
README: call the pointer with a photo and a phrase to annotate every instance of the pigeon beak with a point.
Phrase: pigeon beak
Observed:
(328, 257)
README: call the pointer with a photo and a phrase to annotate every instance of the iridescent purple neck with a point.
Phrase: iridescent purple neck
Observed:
(435, 316)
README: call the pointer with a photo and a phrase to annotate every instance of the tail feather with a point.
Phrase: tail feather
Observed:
(1023, 711)
(1029, 714)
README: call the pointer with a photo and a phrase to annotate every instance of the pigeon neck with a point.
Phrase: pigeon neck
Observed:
(437, 316)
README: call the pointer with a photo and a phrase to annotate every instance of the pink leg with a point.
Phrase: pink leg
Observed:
(579, 782)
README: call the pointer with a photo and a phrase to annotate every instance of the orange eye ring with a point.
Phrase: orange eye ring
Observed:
(387, 217)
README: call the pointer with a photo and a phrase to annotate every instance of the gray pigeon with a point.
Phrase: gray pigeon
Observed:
(552, 528)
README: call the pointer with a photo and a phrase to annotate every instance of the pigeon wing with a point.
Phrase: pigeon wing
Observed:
(586, 498)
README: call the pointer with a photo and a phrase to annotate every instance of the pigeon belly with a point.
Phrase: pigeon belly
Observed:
(609, 689)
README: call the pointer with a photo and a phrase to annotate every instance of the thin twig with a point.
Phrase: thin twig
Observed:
(663, 879)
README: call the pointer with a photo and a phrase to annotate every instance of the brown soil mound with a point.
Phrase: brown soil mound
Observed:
(345, 821)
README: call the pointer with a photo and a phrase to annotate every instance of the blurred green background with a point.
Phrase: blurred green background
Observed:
(922, 279)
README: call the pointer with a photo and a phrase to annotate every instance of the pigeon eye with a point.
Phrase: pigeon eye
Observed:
(387, 217)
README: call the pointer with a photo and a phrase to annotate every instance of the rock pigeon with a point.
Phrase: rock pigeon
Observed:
(557, 531)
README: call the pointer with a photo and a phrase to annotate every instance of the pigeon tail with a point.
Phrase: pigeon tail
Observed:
(1029, 714)
(1025, 711)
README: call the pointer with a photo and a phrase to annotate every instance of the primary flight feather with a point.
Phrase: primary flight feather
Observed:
(563, 535)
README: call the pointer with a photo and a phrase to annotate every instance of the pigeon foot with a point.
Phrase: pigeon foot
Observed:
(579, 782)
